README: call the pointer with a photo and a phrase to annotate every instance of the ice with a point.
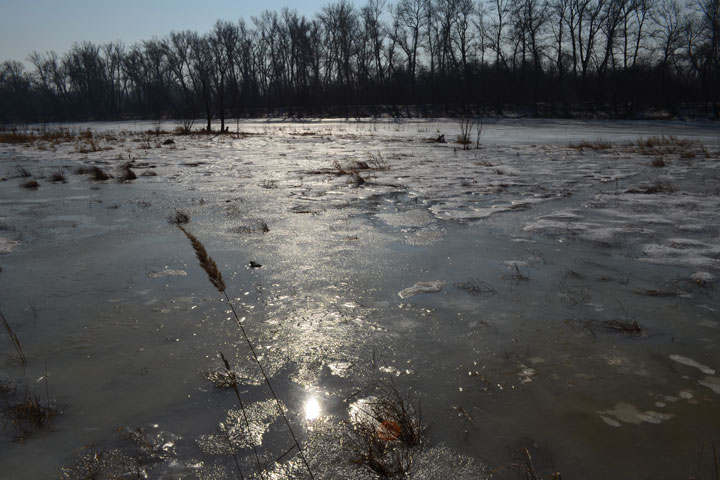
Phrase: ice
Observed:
(692, 363)
(422, 287)
(167, 273)
(589, 230)
(7, 245)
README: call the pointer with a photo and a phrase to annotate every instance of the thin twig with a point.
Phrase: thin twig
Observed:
(233, 384)
(267, 381)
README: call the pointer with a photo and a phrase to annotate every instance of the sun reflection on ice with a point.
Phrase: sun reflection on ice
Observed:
(312, 409)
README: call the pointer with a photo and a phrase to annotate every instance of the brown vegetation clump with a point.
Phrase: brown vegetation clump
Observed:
(387, 432)
(657, 187)
(30, 185)
(58, 177)
(179, 218)
(126, 173)
(27, 413)
(95, 171)
(670, 145)
(658, 162)
(33, 136)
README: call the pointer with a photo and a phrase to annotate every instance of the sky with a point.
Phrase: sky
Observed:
(44, 25)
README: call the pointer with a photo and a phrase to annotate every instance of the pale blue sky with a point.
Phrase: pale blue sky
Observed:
(43, 25)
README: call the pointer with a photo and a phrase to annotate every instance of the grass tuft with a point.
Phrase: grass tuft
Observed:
(30, 185)
(658, 162)
(387, 430)
(58, 177)
(598, 144)
(28, 413)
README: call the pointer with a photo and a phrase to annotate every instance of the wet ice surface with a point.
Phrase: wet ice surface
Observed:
(534, 248)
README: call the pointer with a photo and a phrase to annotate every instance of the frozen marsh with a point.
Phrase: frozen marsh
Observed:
(551, 295)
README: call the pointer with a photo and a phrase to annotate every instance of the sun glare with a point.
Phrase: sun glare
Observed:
(312, 409)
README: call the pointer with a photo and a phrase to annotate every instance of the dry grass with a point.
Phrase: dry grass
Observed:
(27, 413)
(259, 227)
(476, 287)
(621, 324)
(58, 177)
(179, 218)
(517, 275)
(597, 145)
(30, 185)
(33, 136)
(126, 173)
(95, 171)
(658, 187)
(662, 145)
(624, 325)
(22, 173)
(377, 162)
(387, 431)
(206, 262)
(658, 162)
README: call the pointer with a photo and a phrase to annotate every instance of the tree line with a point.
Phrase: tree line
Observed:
(619, 55)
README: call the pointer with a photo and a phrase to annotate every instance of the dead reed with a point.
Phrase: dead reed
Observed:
(22, 173)
(206, 262)
(517, 275)
(14, 339)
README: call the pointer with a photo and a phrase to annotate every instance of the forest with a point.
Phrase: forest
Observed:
(547, 57)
